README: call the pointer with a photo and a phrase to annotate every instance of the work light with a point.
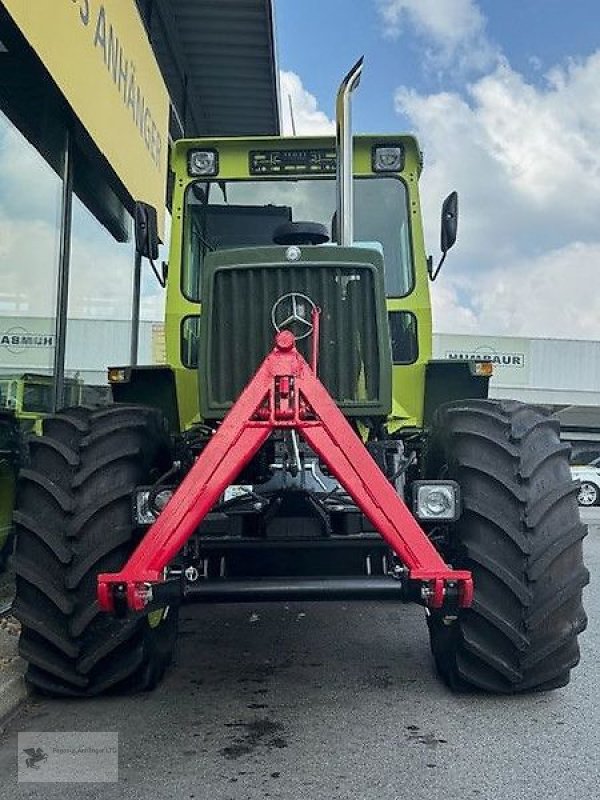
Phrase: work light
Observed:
(436, 500)
(389, 158)
(203, 162)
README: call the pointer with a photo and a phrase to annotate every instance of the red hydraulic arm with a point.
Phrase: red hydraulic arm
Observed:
(284, 393)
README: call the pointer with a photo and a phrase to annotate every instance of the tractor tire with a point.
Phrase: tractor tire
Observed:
(521, 536)
(74, 520)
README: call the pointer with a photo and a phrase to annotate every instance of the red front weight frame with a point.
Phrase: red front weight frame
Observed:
(284, 393)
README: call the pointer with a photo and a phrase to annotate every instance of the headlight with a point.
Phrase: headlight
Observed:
(203, 162)
(389, 158)
(436, 500)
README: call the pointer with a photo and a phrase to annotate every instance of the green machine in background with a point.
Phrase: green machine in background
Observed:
(29, 396)
(9, 450)
(25, 399)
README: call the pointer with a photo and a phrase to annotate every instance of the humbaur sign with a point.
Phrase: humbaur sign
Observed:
(510, 355)
(498, 358)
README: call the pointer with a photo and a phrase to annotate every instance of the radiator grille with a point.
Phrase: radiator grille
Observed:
(241, 333)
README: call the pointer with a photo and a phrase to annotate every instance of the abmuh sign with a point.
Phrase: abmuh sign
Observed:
(17, 340)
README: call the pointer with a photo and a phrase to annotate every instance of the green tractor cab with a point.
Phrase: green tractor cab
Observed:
(300, 442)
(29, 396)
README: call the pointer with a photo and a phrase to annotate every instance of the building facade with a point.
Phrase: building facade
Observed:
(92, 92)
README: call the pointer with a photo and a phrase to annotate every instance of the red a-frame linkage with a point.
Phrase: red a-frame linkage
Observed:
(284, 393)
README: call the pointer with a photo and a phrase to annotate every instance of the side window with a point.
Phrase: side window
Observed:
(37, 398)
(190, 336)
(194, 254)
(382, 216)
(403, 337)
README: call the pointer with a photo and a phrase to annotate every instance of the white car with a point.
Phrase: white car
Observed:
(589, 476)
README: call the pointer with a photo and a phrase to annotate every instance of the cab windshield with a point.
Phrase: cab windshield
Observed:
(227, 214)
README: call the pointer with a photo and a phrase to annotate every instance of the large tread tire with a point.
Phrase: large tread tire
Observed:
(520, 534)
(74, 520)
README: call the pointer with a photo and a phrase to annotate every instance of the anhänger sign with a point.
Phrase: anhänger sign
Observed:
(99, 56)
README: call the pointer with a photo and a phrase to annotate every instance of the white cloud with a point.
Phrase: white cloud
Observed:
(526, 162)
(309, 119)
(28, 256)
(454, 30)
(553, 295)
(100, 278)
(30, 188)
(449, 314)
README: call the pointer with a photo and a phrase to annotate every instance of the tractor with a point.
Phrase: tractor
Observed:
(300, 443)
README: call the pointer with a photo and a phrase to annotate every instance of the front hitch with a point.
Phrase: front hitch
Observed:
(284, 394)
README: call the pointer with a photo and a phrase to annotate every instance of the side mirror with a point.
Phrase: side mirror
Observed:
(146, 231)
(449, 222)
(448, 232)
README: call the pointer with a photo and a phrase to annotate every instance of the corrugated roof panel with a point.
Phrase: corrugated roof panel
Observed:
(218, 59)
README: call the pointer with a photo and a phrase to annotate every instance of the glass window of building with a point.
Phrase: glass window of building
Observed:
(30, 203)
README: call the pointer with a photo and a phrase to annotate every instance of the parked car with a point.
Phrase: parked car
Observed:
(589, 476)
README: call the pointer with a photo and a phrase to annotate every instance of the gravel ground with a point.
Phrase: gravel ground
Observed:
(311, 702)
(7, 583)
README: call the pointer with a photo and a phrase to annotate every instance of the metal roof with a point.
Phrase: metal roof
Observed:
(218, 58)
(574, 418)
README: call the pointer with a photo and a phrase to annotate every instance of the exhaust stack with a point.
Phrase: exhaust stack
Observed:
(343, 125)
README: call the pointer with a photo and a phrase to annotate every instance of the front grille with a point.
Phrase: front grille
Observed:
(241, 332)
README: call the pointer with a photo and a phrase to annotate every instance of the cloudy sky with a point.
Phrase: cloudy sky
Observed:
(505, 99)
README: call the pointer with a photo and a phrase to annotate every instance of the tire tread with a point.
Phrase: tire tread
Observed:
(74, 520)
(521, 537)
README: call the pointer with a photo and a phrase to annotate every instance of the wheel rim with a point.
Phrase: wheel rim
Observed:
(588, 494)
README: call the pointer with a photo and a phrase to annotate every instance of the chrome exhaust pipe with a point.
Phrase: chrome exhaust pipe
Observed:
(344, 150)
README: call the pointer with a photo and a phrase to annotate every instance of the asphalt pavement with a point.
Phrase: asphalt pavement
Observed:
(313, 701)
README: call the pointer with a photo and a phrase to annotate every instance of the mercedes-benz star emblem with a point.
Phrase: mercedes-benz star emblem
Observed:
(293, 253)
(293, 312)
